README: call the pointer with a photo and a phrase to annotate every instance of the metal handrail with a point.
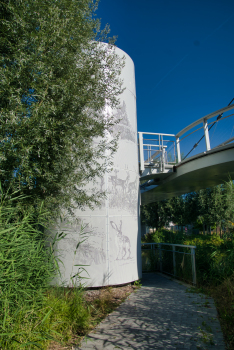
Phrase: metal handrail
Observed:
(203, 120)
(193, 260)
(158, 148)
(172, 244)
(200, 120)
(225, 142)
(156, 133)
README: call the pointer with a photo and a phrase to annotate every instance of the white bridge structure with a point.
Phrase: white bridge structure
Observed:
(165, 172)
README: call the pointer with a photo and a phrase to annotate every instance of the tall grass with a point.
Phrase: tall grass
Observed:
(26, 268)
(31, 312)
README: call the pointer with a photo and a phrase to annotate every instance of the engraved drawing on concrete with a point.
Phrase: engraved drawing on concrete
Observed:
(102, 183)
(118, 184)
(91, 250)
(124, 127)
(123, 194)
(122, 242)
(132, 186)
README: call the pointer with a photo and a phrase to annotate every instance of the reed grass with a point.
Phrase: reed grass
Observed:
(26, 268)
(31, 312)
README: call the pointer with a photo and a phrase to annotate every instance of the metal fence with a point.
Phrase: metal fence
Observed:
(177, 260)
(157, 150)
(162, 151)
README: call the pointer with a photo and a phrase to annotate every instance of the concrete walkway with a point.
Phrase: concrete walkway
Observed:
(162, 314)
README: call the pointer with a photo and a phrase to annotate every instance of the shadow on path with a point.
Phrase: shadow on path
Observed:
(162, 314)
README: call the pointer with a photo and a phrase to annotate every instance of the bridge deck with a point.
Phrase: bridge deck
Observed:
(201, 171)
(159, 152)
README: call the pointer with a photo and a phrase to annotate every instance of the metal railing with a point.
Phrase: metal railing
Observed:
(153, 150)
(205, 126)
(153, 146)
(158, 259)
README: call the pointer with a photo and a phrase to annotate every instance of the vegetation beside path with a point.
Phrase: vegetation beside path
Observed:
(215, 270)
(57, 81)
(32, 313)
(96, 305)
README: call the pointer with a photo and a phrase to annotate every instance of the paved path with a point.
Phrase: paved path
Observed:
(160, 315)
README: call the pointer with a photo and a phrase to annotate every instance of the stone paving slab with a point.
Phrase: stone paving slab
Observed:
(162, 314)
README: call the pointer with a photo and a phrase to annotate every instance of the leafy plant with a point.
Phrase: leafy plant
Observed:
(56, 79)
(137, 283)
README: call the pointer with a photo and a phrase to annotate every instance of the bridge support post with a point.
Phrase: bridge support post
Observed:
(142, 163)
(160, 257)
(174, 260)
(163, 158)
(206, 132)
(178, 149)
(193, 266)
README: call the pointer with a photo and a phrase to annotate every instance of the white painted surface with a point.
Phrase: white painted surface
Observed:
(112, 249)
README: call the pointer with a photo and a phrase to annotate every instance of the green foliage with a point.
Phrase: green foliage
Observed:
(212, 207)
(137, 283)
(164, 236)
(69, 314)
(150, 260)
(214, 258)
(24, 258)
(167, 236)
(214, 255)
(224, 298)
(156, 214)
(33, 313)
(56, 79)
(27, 268)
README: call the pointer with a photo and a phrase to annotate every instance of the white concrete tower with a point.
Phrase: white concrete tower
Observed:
(112, 249)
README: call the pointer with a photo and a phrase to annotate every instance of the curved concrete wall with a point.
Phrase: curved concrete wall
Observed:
(112, 248)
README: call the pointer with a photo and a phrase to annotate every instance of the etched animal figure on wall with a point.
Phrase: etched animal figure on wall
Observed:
(113, 179)
(122, 242)
(119, 183)
(132, 186)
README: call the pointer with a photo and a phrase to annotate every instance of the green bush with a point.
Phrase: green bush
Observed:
(214, 255)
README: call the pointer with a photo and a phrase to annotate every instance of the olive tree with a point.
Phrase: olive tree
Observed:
(57, 80)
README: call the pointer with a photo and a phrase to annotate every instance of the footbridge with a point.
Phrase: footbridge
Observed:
(199, 156)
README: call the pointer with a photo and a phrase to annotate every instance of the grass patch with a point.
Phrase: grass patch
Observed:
(94, 311)
(223, 295)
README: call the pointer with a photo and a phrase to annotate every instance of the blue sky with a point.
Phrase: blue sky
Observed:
(183, 51)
